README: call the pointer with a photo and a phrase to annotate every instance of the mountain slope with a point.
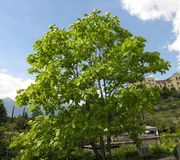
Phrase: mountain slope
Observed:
(9, 103)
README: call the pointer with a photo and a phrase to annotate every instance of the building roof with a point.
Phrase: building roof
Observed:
(150, 128)
(168, 79)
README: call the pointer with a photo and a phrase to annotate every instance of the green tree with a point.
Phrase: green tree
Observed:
(3, 120)
(167, 93)
(20, 123)
(86, 82)
(3, 113)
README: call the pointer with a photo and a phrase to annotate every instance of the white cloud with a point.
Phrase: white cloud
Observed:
(168, 10)
(10, 84)
(151, 76)
(3, 70)
(151, 9)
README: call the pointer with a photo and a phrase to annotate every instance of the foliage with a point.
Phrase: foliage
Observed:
(79, 154)
(125, 152)
(161, 150)
(166, 93)
(30, 136)
(166, 115)
(163, 125)
(7, 130)
(20, 123)
(3, 141)
(175, 151)
(86, 82)
(3, 113)
(156, 150)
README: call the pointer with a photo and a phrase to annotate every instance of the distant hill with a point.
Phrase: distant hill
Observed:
(168, 110)
(9, 103)
(166, 114)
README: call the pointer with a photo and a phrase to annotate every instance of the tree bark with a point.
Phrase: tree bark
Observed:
(12, 114)
(103, 150)
(109, 157)
(98, 156)
(109, 138)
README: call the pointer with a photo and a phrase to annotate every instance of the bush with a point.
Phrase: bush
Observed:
(161, 150)
(80, 154)
(175, 152)
(156, 151)
(126, 151)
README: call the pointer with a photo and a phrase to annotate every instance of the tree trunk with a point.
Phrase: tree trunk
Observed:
(24, 112)
(98, 156)
(12, 114)
(103, 150)
(109, 157)
(143, 118)
(109, 137)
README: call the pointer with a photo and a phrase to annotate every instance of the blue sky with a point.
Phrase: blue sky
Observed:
(22, 22)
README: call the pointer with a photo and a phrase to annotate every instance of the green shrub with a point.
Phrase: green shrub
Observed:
(156, 151)
(126, 151)
(161, 150)
(80, 154)
(175, 152)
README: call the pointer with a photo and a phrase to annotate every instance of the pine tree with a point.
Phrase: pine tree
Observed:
(3, 113)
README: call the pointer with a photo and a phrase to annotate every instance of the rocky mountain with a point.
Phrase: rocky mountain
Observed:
(9, 103)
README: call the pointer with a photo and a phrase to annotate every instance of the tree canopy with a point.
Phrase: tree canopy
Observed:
(86, 82)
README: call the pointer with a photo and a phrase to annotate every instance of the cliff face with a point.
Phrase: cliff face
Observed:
(9, 103)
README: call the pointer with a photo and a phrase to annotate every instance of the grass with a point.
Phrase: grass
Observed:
(166, 114)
